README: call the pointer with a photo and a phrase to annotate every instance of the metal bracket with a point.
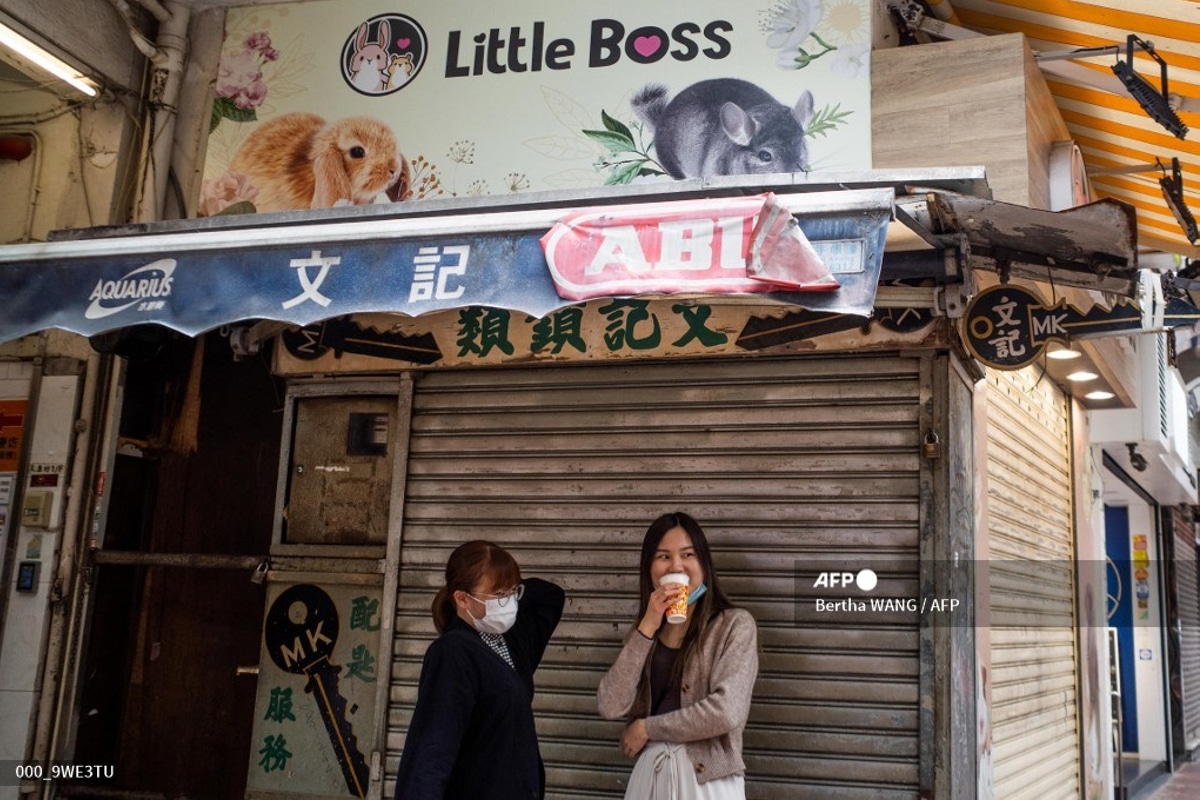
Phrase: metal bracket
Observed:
(951, 300)
(913, 16)
(246, 340)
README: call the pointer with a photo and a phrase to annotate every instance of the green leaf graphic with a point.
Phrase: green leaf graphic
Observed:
(624, 173)
(617, 143)
(615, 125)
(826, 119)
(224, 108)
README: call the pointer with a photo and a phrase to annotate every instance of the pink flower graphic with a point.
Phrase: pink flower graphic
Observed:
(239, 74)
(220, 193)
(240, 85)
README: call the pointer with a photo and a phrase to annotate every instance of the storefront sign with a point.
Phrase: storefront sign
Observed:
(355, 102)
(1009, 327)
(603, 329)
(740, 245)
(196, 281)
(316, 710)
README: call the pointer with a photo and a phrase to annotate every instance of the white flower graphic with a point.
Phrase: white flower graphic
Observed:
(851, 60)
(792, 22)
(845, 22)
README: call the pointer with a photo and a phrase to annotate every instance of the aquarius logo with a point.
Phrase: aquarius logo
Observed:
(148, 284)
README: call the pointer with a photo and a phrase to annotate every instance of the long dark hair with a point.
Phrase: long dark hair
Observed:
(467, 566)
(710, 604)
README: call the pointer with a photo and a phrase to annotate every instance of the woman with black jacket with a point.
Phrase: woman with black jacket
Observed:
(472, 732)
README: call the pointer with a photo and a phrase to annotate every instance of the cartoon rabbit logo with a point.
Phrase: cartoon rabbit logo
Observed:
(383, 54)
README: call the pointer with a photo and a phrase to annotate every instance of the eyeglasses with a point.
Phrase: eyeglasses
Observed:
(502, 599)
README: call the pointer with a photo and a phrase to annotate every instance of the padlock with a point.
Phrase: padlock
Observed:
(932, 446)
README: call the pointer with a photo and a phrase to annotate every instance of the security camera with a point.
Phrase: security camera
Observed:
(1136, 459)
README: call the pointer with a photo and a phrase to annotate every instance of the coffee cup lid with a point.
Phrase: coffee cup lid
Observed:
(673, 577)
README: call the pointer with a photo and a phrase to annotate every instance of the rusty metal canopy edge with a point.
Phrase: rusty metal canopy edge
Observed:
(1092, 246)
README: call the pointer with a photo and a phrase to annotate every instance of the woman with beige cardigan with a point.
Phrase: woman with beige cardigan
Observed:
(684, 689)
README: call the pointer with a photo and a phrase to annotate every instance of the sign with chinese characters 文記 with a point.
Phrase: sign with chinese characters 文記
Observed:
(1009, 327)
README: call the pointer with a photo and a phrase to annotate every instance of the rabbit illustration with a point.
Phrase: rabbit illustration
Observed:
(299, 160)
(725, 126)
(370, 63)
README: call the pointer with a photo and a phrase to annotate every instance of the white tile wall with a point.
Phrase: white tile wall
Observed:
(24, 631)
(16, 709)
(15, 371)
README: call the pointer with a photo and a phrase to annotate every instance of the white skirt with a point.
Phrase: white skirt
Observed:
(664, 772)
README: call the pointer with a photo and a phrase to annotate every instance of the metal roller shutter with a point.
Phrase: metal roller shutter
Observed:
(1187, 582)
(1035, 716)
(782, 461)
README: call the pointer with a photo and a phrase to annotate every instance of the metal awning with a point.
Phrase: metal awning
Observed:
(193, 279)
(300, 268)
(1091, 247)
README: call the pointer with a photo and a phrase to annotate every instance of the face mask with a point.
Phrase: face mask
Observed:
(694, 596)
(496, 618)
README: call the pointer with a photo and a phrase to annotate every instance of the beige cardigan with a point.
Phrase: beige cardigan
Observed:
(714, 694)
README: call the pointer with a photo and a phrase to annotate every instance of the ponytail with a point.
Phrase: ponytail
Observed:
(443, 608)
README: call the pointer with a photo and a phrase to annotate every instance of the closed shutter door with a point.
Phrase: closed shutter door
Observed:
(1035, 717)
(1189, 626)
(782, 462)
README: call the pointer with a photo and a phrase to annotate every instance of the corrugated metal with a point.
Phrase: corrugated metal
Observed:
(784, 462)
(1187, 583)
(1035, 726)
(1111, 130)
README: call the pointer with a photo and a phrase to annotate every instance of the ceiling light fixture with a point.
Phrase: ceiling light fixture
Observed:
(1063, 354)
(40, 58)
(1099, 394)
(1172, 191)
(1157, 105)
(1082, 375)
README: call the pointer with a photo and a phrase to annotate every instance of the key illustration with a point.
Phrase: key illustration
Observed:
(301, 630)
(343, 335)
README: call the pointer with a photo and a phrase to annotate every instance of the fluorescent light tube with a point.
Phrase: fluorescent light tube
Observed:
(56, 67)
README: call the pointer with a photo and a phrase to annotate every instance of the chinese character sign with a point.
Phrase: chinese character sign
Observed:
(315, 716)
(325, 104)
(1009, 327)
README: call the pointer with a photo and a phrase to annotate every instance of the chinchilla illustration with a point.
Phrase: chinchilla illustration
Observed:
(725, 126)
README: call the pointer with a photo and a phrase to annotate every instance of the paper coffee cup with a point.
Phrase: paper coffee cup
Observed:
(677, 611)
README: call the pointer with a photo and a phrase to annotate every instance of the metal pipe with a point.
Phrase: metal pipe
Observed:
(79, 593)
(166, 81)
(189, 560)
(61, 626)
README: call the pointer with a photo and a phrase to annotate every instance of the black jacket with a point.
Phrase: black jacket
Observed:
(472, 733)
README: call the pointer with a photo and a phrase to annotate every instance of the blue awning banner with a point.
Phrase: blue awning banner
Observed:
(196, 280)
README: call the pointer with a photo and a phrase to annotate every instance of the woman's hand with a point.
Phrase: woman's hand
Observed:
(635, 738)
(660, 600)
